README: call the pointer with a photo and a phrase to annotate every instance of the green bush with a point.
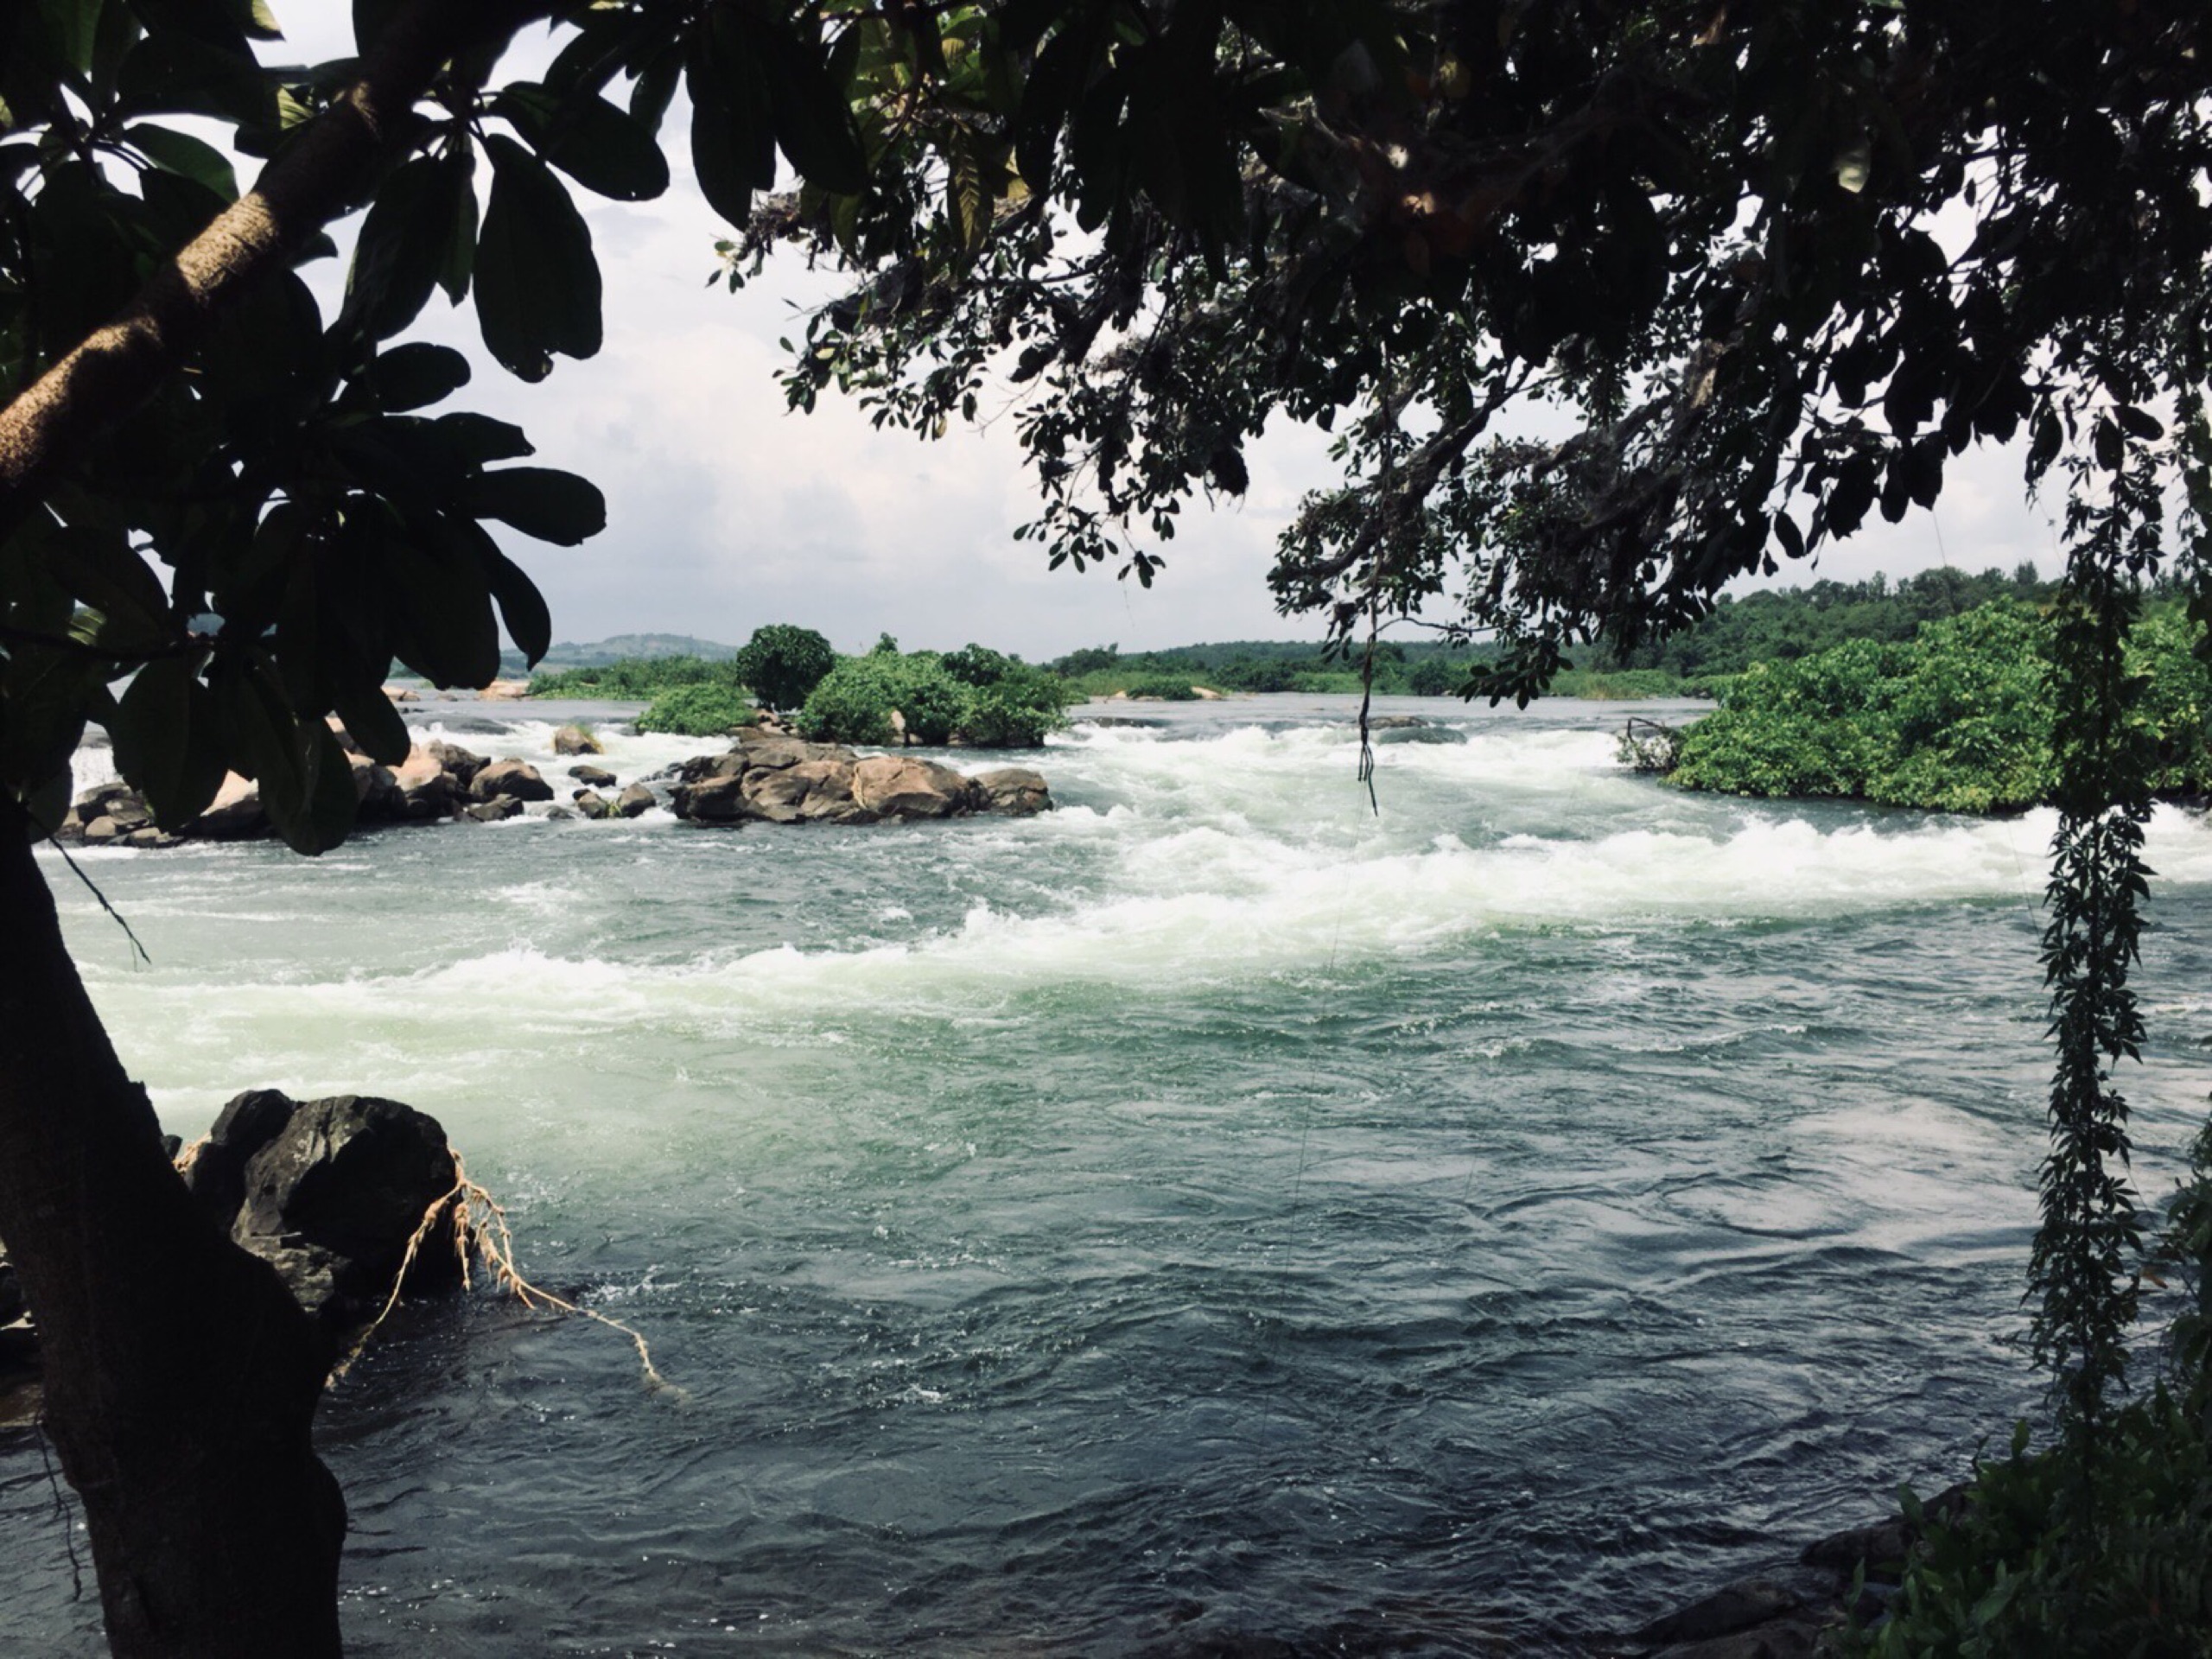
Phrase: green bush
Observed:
(784, 663)
(998, 718)
(1168, 688)
(1014, 708)
(1957, 719)
(698, 711)
(630, 676)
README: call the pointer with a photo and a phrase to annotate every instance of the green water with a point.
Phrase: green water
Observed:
(1213, 1211)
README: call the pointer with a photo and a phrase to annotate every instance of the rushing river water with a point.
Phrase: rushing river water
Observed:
(1212, 1211)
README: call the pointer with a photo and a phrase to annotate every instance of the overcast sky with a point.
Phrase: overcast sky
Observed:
(725, 513)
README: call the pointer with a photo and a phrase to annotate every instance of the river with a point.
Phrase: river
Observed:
(1217, 1210)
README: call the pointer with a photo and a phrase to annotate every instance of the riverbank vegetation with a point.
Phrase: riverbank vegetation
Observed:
(1773, 626)
(1959, 718)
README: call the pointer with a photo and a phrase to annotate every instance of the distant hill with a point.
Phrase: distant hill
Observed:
(600, 652)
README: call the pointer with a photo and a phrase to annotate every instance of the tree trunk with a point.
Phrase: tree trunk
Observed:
(180, 1376)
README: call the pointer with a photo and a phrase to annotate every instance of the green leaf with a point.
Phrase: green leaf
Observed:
(541, 501)
(174, 72)
(48, 803)
(372, 722)
(479, 439)
(591, 140)
(2141, 424)
(414, 375)
(530, 625)
(402, 250)
(187, 157)
(71, 26)
(99, 570)
(732, 138)
(459, 263)
(444, 629)
(306, 782)
(813, 121)
(538, 286)
(169, 740)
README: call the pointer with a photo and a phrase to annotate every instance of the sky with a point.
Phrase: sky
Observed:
(725, 513)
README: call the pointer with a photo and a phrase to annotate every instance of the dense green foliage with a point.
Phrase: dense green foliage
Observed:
(632, 677)
(976, 697)
(1780, 625)
(783, 664)
(702, 711)
(1959, 718)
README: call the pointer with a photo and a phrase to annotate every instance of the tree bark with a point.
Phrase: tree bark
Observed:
(180, 1376)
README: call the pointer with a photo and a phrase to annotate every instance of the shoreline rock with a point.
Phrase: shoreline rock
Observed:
(1786, 1611)
(329, 1192)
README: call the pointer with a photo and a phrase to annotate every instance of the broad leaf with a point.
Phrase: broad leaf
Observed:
(591, 140)
(414, 375)
(169, 740)
(186, 157)
(541, 501)
(538, 286)
(732, 138)
(530, 625)
(401, 251)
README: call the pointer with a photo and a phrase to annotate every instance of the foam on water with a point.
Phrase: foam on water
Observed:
(1135, 1225)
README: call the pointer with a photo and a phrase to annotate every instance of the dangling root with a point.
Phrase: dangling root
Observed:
(479, 1229)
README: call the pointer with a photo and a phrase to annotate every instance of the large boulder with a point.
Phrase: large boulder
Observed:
(515, 778)
(635, 801)
(574, 740)
(717, 798)
(593, 777)
(593, 804)
(809, 792)
(462, 764)
(330, 1193)
(894, 786)
(1015, 792)
(491, 811)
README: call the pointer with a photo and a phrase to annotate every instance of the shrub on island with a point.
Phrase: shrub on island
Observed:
(784, 663)
(1958, 718)
(976, 697)
(699, 711)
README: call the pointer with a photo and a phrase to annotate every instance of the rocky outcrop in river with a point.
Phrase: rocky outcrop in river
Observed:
(769, 777)
(772, 778)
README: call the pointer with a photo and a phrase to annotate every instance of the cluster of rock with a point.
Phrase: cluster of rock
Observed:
(331, 1193)
(769, 777)
(1788, 1613)
(437, 781)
